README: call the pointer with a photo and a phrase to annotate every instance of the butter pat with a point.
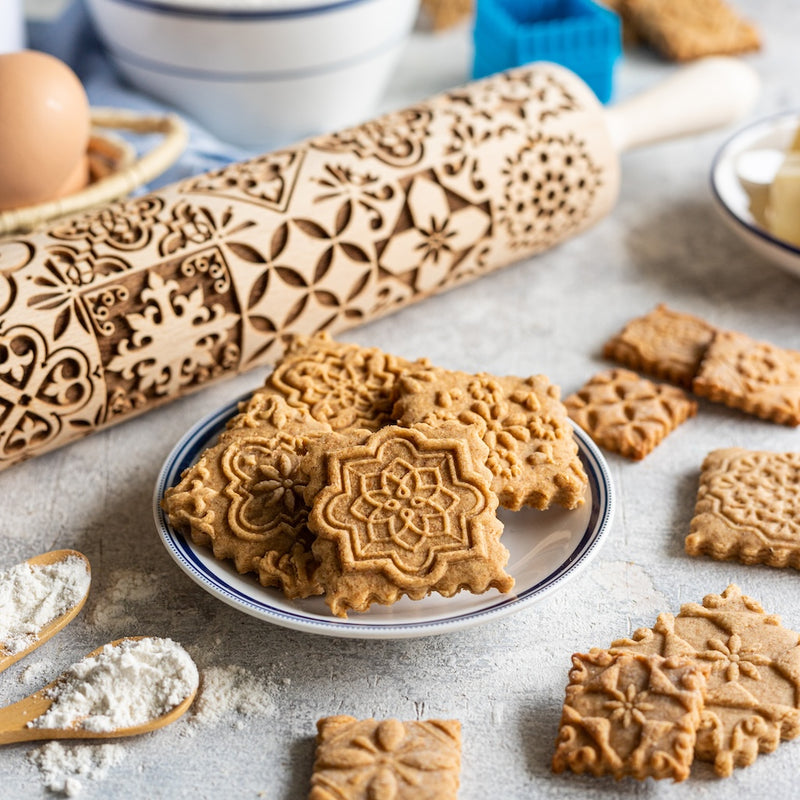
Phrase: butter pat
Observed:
(782, 213)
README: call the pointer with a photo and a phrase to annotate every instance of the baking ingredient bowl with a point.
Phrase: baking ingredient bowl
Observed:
(740, 176)
(259, 73)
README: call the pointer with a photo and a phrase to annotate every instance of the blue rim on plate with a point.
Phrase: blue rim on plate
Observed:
(570, 541)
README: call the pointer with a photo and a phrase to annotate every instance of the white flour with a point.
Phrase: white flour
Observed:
(123, 686)
(231, 689)
(64, 767)
(33, 595)
(118, 606)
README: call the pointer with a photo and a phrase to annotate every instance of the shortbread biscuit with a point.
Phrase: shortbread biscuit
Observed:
(533, 455)
(630, 714)
(755, 377)
(369, 759)
(753, 688)
(244, 499)
(344, 385)
(628, 414)
(682, 30)
(666, 344)
(748, 508)
(409, 512)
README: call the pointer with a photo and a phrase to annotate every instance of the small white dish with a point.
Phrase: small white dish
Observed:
(547, 549)
(735, 187)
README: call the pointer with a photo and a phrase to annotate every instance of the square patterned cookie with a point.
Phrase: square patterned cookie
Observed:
(343, 385)
(371, 759)
(628, 414)
(666, 344)
(748, 508)
(753, 688)
(630, 714)
(756, 377)
(408, 512)
(533, 455)
(686, 29)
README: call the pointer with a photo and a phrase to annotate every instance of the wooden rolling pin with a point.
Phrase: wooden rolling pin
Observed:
(111, 313)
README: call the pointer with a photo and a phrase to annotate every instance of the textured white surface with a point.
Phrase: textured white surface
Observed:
(505, 681)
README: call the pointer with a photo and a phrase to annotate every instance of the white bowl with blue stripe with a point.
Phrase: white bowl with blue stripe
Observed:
(548, 548)
(259, 73)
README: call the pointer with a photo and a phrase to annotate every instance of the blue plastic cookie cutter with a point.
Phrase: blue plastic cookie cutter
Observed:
(578, 34)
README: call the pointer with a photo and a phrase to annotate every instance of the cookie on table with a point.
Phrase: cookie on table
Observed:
(244, 499)
(748, 508)
(343, 385)
(683, 30)
(752, 691)
(628, 414)
(755, 377)
(665, 344)
(408, 512)
(533, 455)
(368, 759)
(630, 714)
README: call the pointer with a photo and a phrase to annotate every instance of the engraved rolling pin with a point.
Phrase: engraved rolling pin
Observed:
(111, 313)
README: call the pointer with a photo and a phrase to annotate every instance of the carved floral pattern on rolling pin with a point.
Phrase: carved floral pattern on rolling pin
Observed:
(147, 299)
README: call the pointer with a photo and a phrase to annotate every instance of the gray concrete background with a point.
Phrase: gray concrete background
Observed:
(504, 680)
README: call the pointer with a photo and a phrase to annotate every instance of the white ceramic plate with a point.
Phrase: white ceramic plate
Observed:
(733, 201)
(547, 548)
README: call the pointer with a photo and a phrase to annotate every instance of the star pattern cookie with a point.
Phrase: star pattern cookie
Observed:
(630, 714)
(371, 759)
(755, 377)
(753, 688)
(748, 508)
(533, 455)
(409, 512)
(628, 414)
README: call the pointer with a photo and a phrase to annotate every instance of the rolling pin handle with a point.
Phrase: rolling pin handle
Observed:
(710, 93)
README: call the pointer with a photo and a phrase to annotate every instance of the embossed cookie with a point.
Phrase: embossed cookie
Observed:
(666, 344)
(756, 377)
(344, 385)
(686, 29)
(630, 714)
(748, 508)
(533, 455)
(369, 759)
(753, 688)
(244, 499)
(628, 414)
(409, 512)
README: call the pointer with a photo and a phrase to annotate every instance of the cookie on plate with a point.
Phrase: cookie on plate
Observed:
(533, 455)
(628, 414)
(630, 714)
(407, 513)
(666, 344)
(753, 688)
(368, 759)
(755, 377)
(748, 508)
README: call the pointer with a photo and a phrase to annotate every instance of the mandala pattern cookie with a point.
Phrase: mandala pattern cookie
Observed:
(409, 512)
(753, 688)
(756, 377)
(748, 508)
(533, 455)
(628, 414)
(343, 385)
(630, 714)
(686, 29)
(371, 759)
(666, 344)
(244, 499)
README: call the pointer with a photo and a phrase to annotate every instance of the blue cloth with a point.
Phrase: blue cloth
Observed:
(72, 38)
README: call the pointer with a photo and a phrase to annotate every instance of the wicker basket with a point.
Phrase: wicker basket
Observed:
(114, 168)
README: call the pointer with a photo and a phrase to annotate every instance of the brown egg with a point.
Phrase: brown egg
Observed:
(44, 129)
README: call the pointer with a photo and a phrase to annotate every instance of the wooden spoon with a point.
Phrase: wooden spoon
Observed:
(14, 719)
(55, 625)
